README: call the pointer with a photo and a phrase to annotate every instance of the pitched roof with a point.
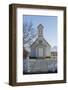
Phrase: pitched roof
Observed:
(40, 25)
(43, 39)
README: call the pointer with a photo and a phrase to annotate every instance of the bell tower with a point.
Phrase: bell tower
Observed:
(40, 30)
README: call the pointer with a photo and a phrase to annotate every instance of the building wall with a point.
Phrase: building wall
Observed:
(35, 52)
(48, 51)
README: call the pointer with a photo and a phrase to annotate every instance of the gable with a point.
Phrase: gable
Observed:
(37, 41)
(46, 42)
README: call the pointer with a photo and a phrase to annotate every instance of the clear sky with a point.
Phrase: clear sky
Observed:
(50, 26)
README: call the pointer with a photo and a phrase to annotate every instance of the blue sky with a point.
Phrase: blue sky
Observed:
(50, 26)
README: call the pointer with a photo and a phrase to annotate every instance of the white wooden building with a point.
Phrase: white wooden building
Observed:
(40, 47)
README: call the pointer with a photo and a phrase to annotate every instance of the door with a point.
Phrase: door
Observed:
(40, 52)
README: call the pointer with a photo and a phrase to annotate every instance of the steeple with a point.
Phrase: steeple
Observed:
(40, 30)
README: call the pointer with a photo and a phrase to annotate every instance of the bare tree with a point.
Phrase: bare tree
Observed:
(28, 33)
